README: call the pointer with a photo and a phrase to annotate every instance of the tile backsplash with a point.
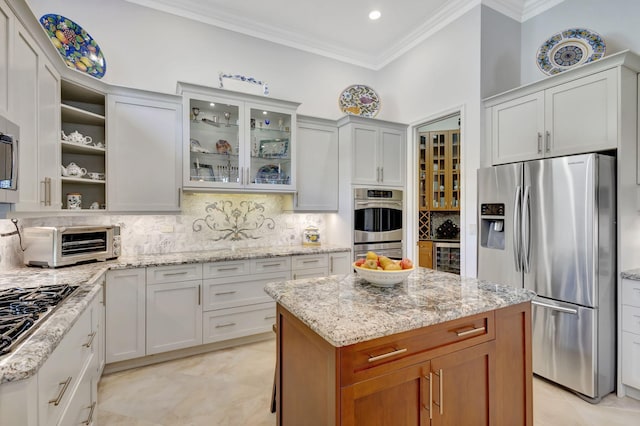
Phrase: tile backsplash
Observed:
(207, 222)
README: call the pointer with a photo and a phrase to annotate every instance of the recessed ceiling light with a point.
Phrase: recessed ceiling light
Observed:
(374, 14)
(264, 112)
(212, 104)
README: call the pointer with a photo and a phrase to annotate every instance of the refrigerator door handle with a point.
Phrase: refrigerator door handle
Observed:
(555, 308)
(517, 257)
(526, 230)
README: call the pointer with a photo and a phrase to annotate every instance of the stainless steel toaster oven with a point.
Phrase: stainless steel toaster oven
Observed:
(61, 246)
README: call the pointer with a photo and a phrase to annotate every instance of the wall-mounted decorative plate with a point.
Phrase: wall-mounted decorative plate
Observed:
(359, 100)
(78, 49)
(568, 49)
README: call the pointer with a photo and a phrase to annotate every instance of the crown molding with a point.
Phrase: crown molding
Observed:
(519, 10)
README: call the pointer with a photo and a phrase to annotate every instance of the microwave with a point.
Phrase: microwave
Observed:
(9, 135)
(53, 246)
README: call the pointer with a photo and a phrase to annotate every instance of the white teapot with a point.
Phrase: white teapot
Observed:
(76, 137)
(73, 170)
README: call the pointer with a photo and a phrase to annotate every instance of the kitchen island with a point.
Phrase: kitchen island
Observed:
(436, 348)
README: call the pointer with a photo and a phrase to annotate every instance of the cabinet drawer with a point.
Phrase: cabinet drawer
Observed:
(367, 359)
(226, 269)
(272, 264)
(220, 293)
(309, 261)
(631, 319)
(310, 273)
(82, 409)
(238, 322)
(172, 274)
(60, 374)
(631, 293)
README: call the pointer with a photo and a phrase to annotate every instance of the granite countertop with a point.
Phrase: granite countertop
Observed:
(26, 359)
(631, 274)
(346, 309)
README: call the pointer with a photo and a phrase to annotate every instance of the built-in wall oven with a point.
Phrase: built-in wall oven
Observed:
(377, 222)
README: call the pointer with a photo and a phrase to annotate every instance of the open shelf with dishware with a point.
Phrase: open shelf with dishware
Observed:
(237, 141)
(83, 146)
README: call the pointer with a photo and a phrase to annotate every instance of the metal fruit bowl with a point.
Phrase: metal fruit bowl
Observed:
(382, 278)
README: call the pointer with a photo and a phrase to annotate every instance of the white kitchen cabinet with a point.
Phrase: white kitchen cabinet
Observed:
(340, 263)
(378, 153)
(317, 165)
(630, 373)
(574, 117)
(174, 307)
(237, 141)
(64, 376)
(33, 99)
(125, 314)
(309, 266)
(234, 301)
(6, 39)
(144, 156)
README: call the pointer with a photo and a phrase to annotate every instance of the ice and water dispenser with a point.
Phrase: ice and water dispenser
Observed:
(492, 226)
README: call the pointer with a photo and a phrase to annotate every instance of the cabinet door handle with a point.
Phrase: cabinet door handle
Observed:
(331, 264)
(65, 385)
(539, 143)
(199, 294)
(90, 342)
(440, 391)
(381, 174)
(468, 332)
(387, 355)
(179, 198)
(429, 408)
(89, 420)
(548, 141)
(225, 324)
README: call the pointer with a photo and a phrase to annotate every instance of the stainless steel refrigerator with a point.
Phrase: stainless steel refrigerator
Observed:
(549, 226)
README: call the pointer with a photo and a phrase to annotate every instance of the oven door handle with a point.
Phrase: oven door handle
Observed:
(378, 204)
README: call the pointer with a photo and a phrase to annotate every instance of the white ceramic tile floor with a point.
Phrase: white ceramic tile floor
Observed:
(232, 387)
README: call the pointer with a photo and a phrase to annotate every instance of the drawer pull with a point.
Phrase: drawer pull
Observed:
(270, 265)
(225, 324)
(90, 342)
(168, 274)
(268, 317)
(234, 268)
(65, 385)
(222, 293)
(468, 332)
(90, 418)
(311, 261)
(387, 355)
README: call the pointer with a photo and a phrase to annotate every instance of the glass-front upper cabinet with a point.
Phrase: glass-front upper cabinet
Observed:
(237, 141)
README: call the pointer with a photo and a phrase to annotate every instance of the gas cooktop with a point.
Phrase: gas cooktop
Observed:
(22, 309)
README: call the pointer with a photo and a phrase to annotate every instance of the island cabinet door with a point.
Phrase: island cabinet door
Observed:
(463, 384)
(398, 398)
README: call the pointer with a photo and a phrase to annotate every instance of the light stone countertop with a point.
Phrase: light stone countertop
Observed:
(632, 274)
(345, 309)
(25, 360)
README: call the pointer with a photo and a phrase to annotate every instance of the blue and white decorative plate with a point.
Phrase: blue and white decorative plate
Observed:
(78, 49)
(359, 100)
(568, 49)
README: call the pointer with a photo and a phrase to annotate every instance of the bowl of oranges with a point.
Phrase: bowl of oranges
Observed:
(382, 271)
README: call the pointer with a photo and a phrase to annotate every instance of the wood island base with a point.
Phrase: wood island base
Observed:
(474, 370)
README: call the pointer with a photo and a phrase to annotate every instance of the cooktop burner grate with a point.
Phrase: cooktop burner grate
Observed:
(21, 309)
